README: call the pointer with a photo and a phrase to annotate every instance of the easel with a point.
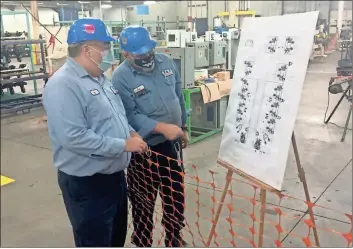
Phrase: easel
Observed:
(264, 187)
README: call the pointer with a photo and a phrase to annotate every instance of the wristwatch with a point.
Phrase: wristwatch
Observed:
(184, 128)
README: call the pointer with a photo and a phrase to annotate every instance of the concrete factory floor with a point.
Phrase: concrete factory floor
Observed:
(33, 214)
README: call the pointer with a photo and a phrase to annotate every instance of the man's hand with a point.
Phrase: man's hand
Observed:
(135, 144)
(135, 134)
(169, 131)
(184, 140)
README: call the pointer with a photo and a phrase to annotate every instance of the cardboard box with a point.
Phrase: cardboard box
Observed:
(223, 76)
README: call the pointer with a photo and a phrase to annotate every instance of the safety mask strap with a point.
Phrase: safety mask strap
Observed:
(96, 51)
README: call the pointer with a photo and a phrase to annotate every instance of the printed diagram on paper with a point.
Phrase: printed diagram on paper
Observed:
(288, 46)
(268, 79)
(256, 126)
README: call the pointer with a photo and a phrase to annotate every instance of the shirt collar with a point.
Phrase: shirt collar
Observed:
(81, 72)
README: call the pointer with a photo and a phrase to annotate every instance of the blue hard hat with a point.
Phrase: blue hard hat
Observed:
(136, 40)
(88, 29)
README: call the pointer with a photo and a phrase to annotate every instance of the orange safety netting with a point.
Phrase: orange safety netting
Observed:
(286, 224)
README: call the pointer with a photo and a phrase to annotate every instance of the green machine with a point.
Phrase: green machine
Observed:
(204, 120)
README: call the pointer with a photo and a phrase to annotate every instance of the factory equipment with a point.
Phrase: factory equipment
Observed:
(185, 60)
(159, 33)
(191, 36)
(210, 36)
(194, 55)
(176, 38)
(222, 110)
(204, 117)
(205, 120)
(232, 38)
(217, 52)
(201, 53)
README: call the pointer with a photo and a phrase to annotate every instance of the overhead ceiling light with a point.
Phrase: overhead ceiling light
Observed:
(82, 2)
(107, 1)
(9, 2)
(106, 6)
(40, 3)
(61, 3)
(149, 2)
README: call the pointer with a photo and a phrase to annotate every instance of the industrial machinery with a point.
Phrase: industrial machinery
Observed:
(204, 116)
(217, 52)
(344, 65)
(190, 56)
(210, 36)
(176, 38)
(222, 110)
(198, 58)
(232, 38)
(201, 54)
(185, 60)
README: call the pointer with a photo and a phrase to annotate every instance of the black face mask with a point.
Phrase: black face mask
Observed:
(147, 62)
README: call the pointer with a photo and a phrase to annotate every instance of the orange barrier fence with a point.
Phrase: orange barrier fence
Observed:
(332, 43)
(287, 222)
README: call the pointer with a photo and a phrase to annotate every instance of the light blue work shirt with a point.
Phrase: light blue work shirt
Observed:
(152, 97)
(86, 121)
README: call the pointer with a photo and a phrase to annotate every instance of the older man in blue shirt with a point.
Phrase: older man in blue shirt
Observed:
(91, 138)
(150, 88)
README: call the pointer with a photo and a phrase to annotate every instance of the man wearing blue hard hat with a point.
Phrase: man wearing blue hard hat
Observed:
(150, 88)
(91, 138)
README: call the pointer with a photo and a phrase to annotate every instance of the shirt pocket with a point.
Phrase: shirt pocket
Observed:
(99, 109)
(146, 103)
(169, 88)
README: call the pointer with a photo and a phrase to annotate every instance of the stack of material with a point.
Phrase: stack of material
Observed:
(57, 59)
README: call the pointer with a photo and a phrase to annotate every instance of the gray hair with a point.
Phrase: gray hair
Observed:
(74, 50)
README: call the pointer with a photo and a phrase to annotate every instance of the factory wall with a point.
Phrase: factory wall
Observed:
(113, 14)
(13, 23)
(168, 10)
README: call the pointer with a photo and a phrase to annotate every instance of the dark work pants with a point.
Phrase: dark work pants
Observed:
(144, 182)
(97, 208)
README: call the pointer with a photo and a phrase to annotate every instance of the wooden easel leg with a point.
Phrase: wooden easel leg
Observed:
(219, 208)
(262, 217)
(302, 178)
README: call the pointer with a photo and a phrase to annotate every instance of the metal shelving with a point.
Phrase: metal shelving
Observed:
(11, 79)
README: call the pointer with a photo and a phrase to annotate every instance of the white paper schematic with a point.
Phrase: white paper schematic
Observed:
(267, 83)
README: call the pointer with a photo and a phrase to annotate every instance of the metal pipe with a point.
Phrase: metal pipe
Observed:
(42, 50)
(5, 74)
(100, 10)
(16, 80)
(22, 108)
(189, 15)
(208, 16)
(340, 16)
(329, 16)
(282, 7)
(21, 98)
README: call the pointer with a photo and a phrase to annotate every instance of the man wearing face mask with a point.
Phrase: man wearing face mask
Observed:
(91, 138)
(150, 88)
